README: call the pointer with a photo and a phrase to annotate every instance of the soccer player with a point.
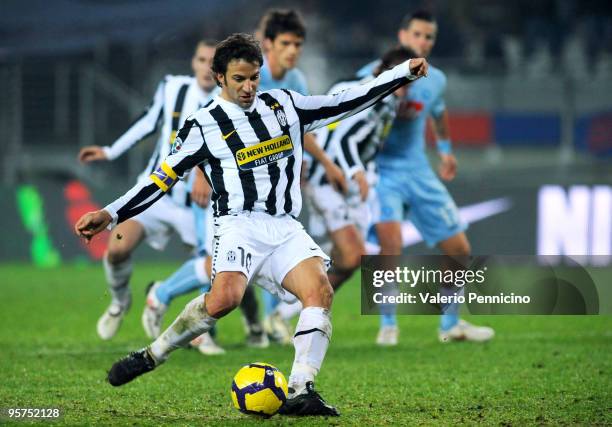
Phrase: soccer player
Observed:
(353, 144)
(250, 147)
(175, 98)
(409, 186)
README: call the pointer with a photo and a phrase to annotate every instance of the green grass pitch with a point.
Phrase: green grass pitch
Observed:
(538, 370)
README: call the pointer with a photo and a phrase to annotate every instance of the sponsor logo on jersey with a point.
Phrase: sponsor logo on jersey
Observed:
(164, 177)
(281, 117)
(265, 152)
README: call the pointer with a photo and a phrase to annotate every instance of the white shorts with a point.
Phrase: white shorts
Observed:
(165, 217)
(262, 247)
(332, 211)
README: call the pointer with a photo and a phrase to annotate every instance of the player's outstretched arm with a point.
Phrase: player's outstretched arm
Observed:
(144, 126)
(190, 149)
(92, 223)
(200, 191)
(91, 153)
(332, 172)
(321, 110)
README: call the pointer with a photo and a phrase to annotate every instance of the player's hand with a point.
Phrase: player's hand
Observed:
(448, 167)
(200, 191)
(91, 153)
(92, 223)
(364, 188)
(336, 178)
(418, 67)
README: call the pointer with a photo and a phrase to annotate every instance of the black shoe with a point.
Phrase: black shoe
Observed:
(131, 366)
(308, 403)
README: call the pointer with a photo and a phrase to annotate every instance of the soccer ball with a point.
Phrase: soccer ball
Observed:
(259, 388)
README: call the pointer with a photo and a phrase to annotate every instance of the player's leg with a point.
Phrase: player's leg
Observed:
(236, 256)
(309, 283)
(256, 337)
(393, 199)
(331, 212)
(452, 328)
(198, 317)
(118, 270)
(206, 343)
(297, 269)
(274, 326)
(191, 275)
(435, 214)
(348, 246)
(390, 239)
(193, 226)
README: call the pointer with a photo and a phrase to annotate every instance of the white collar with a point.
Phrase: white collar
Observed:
(230, 105)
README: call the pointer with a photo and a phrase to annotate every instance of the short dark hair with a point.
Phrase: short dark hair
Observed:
(237, 46)
(207, 42)
(421, 15)
(279, 21)
(393, 57)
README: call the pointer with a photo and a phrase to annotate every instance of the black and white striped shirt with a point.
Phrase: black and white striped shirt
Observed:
(175, 99)
(353, 142)
(252, 158)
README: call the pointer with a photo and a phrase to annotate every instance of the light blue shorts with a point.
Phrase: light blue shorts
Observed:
(203, 228)
(420, 197)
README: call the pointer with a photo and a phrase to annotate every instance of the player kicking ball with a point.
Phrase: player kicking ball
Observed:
(250, 147)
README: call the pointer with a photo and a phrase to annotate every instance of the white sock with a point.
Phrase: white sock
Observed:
(191, 323)
(200, 270)
(118, 277)
(311, 339)
(288, 311)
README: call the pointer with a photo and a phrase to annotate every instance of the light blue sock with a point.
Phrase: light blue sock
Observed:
(387, 315)
(450, 312)
(182, 281)
(447, 321)
(270, 302)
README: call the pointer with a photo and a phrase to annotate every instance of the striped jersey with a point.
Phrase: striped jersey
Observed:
(354, 142)
(176, 97)
(252, 157)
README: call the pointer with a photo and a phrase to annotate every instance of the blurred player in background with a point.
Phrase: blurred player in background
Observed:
(409, 187)
(282, 34)
(353, 144)
(175, 98)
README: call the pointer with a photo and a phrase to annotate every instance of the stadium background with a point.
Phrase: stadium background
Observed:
(529, 88)
(531, 118)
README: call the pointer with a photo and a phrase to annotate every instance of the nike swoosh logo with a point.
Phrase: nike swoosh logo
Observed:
(228, 135)
(468, 214)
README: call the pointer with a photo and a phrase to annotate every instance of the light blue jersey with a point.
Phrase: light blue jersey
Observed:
(294, 79)
(408, 187)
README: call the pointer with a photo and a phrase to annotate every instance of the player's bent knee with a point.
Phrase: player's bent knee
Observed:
(348, 248)
(118, 252)
(321, 294)
(347, 258)
(457, 245)
(226, 294)
(391, 246)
